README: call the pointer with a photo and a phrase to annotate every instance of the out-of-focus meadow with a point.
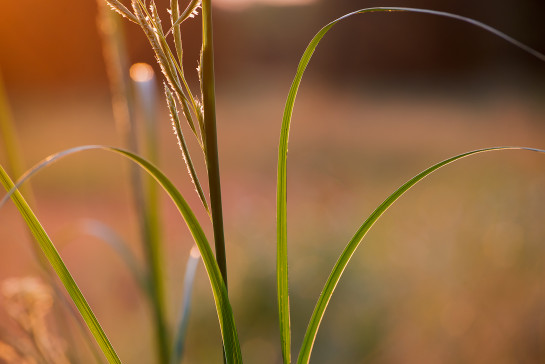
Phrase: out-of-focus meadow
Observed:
(453, 273)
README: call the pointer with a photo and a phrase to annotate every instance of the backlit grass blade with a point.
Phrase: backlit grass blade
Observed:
(281, 217)
(56, 262)
(223, 307)
(14, 157)
(334, 277)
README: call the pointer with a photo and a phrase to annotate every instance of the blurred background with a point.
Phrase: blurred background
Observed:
(453, 273)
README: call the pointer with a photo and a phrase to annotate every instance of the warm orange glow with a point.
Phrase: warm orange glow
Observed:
(141, 72)
(195, 253)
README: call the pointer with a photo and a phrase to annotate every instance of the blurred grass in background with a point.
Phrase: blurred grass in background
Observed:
(460, 280)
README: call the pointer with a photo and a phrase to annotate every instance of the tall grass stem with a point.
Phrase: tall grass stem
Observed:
(211, 138)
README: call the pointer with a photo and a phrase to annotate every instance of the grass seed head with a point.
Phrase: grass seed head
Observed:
(122, 10)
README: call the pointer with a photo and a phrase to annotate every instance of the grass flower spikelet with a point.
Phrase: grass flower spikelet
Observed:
(119, 8)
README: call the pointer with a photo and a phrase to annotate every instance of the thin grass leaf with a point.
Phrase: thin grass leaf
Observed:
(58, 265)
(189, 279)
(183, 146)
(15, 167)
(282, 258)
(74, 314)
(14, 156)
(106, 234)
(223, 307)
(348, 252)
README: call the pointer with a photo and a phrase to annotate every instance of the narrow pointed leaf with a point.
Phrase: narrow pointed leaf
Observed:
(223, 307)
(282, 258)
(58, 265)
(334, 277)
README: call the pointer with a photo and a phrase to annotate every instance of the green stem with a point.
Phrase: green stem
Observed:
(211, 138)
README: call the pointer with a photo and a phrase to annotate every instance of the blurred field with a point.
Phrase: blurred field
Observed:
(453, 273)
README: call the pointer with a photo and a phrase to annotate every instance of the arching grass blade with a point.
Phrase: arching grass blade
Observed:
(223, 307)
(334, 277)
(281, 214)
(58, 265)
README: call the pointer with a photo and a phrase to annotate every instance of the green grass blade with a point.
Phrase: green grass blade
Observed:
(336, 273)
(223, 307)
(14, 164)
(14, 157)
(58, 265)
(281, 217)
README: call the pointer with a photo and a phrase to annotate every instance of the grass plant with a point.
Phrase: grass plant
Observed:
(199, 111)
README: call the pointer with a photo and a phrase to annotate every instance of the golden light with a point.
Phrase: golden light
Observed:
(141, 72)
